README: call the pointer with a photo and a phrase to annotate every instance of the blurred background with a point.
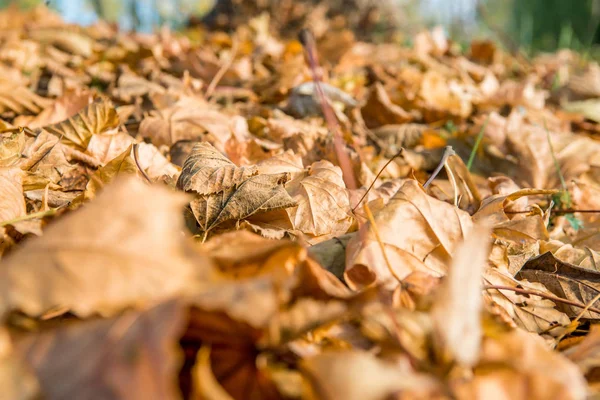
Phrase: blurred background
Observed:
(528, 25)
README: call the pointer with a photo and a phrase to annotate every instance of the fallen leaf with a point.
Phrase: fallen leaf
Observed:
(379, 109)
(530, 312)
(12, 202)
(154, 164)
(456, 311)
(355, 375)
(99, 117)
(63, 108)
(207, 171)
(242, 254)
(418, 233)
(106, 147)
(130, 356)
(73, 42)
(120, 165)
(323, 202)
(191, 118)
(16, 378)
(586, 354)
(259, 193)
(206, 386)
(45, 162)
(515, 366)
(565, 281)
(11, 147)
(20, 99)
(97, 259)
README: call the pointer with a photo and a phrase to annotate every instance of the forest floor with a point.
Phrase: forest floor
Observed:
(251, 215)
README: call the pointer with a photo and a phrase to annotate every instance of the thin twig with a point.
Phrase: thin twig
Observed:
(565, 211)
(137, 163)
(223, 70)
(541, 294)
(378, 237)
(448, 151)
(377, 176)
(308, 42)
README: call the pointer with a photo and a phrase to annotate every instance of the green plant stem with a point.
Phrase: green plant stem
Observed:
(556, 164)
(477, 143)
(39, 214)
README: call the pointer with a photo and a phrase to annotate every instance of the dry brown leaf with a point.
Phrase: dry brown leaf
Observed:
(120, 165)
(99, 117)
(126, 357)
(205, 384)
(154, 164)
(440, 95)
(16, 379)
(456, 312)
(63, 108)
(586, 354)
(20, 99)
(191, 118)
(106, 147)
(519, 365)
(73, 42)
(418, 232)
(259, 193)
(11, 147)
(355, 375)
(207, 171)
(331, 254)
(116, 252)
(492, 208)
(379, 109)
(304, 100)
(585, 258)
(230, 318)
(227, 192)
(565, 281)
(323, 202)
(12, 201)
(530, 312)
(130, 86)
(243, 254)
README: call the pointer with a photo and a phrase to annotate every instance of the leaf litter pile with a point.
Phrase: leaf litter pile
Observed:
(257, 215)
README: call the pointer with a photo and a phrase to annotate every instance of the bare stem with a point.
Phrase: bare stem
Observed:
(541, 294)
(308, 42)
(377, 176)
(448, 151)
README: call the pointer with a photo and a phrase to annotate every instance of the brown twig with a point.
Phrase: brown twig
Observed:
(137, 163)
(541, 294)
(565, 211)
(377, 176)
(448, 151)
(222, 71)
(308, 42)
